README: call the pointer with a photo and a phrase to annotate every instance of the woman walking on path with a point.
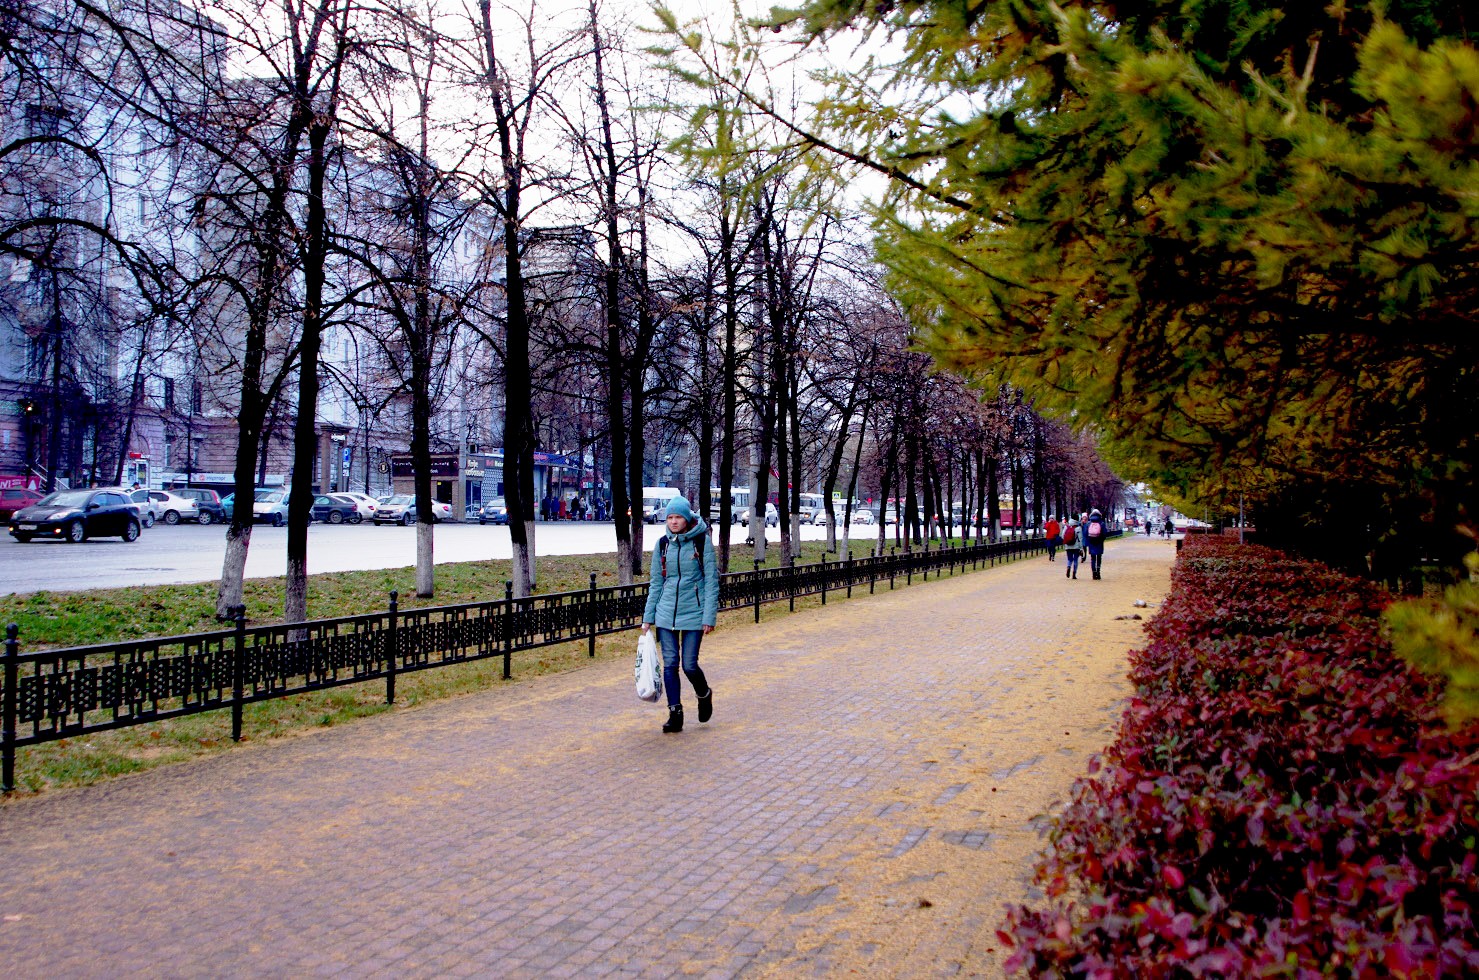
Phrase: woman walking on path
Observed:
(683, 603)
(1073, 545)
(1093, 530)
(1052, 530)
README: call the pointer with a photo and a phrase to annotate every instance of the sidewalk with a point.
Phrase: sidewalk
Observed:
(862, 800)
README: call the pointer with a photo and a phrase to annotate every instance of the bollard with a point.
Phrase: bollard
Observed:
(392, 646)
(8, 723)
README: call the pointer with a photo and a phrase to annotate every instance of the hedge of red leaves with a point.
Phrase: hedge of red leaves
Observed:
(1282, 797)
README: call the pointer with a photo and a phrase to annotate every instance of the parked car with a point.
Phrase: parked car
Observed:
(401, 509)
(863, 517)
(174, 508)
(13, 499)
(819, 518)
(270, 507)
(367, 504)
(148, 509)
(335, 508)
(772, 517)
(208, 506)
(76, 515)
(493, 511)
(394, 509)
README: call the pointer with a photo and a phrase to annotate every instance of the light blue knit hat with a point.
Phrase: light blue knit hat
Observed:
(679, 505)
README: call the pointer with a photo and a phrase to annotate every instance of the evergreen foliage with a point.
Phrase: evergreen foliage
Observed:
(1237, 237)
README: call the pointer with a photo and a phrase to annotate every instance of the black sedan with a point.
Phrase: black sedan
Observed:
(334, 509)
(76, 515)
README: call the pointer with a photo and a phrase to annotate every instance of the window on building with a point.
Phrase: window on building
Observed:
(169, 393)
(44, 120)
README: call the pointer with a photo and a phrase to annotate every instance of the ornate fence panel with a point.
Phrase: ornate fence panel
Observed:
(55, 694)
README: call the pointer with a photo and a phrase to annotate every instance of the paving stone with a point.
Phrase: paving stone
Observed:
(547, 828)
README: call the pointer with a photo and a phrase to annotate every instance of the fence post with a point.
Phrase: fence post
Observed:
(238, 671)
(893, 553)
(392, 645)
(824, 580)
(8, 725)
(508, 629)
(791, 582)
(591, 607)
(756, 582)
(851, 571)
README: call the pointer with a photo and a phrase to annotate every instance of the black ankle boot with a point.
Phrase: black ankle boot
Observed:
(675, 719)
(706, 706)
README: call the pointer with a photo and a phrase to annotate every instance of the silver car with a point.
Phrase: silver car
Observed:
(174, 508)
(271, 507)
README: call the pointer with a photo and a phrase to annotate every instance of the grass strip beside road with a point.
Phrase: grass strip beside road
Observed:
(66, 619)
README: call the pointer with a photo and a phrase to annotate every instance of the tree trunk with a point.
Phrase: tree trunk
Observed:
(625, 496)
(305, 434)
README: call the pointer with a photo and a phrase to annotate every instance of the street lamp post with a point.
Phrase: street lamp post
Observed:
(29, 414)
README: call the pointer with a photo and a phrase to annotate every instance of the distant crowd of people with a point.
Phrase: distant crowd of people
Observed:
(571, 508)
(1077, 537)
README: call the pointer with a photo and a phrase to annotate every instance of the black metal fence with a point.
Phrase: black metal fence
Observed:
(64, 693)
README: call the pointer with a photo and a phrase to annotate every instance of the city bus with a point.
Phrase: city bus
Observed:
(811, 504)
(739, 502)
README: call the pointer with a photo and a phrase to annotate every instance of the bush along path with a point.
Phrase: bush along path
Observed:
(1282, 797)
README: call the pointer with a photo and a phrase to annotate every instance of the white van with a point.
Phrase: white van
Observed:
(655, 502)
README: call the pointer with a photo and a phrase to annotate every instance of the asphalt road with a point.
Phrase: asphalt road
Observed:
(191, 553)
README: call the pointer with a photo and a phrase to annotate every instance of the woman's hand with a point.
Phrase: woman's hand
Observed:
(708, 630)
(646, 627)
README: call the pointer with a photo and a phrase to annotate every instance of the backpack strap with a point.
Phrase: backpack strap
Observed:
(662, 552)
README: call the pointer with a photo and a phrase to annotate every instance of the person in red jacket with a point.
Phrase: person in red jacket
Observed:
(1052, 530)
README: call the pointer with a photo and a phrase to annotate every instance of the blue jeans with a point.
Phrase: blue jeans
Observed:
(669, 641)
(1073, 556)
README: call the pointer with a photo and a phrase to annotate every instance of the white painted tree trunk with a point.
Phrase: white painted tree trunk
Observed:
(523, 563)
(425, 565)
(624, 563)
(233, 571)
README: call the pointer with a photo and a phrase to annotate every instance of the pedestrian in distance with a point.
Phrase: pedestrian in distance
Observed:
(1073, 546)
(1094, 531)
(683, 603)
(1052, 530)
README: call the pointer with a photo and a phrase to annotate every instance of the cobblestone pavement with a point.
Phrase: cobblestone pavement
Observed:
(862, 801)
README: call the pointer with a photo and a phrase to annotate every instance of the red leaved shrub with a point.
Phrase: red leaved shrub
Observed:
(1282, 796)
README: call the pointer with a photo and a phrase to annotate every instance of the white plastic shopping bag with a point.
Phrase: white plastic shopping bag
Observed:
(649, 668)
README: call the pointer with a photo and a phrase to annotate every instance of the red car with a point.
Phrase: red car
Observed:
(13, 499)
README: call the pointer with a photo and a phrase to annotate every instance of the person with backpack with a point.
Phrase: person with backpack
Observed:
(1052, 530)
(1073, 546)
(1094, 530)
(683, 603)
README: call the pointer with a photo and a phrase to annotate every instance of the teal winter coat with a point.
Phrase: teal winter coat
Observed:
(687, 597)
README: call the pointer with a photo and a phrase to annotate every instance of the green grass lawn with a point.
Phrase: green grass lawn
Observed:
(65, 619)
